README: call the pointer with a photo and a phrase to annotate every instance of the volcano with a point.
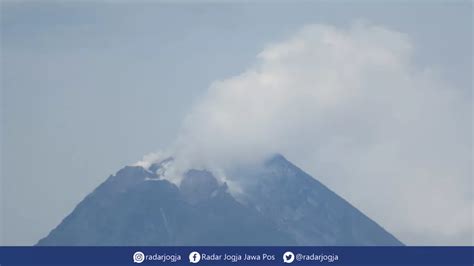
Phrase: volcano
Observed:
(277, 204)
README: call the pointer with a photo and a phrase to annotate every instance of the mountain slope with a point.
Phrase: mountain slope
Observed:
(279, 205)
(306, 209)
(135, 207)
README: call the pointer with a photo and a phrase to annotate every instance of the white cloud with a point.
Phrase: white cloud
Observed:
(350, 107)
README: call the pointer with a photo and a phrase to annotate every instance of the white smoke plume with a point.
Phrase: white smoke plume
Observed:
(352, 108)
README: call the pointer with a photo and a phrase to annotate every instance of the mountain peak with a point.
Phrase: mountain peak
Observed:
(276, 158)
(280, 205)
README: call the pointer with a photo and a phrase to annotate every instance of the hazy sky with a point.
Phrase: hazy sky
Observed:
(88, 88)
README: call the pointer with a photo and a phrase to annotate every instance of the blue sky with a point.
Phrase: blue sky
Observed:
(90, 87)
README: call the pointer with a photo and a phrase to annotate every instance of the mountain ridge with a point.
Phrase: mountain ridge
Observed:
(280, 205)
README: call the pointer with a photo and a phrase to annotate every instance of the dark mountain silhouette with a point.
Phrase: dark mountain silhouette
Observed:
(279, 205)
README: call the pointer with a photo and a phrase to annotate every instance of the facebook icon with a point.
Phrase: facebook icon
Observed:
(194, 257)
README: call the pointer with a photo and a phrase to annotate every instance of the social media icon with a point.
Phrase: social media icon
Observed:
(138, 257)
(288, 257)
(194, 257)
